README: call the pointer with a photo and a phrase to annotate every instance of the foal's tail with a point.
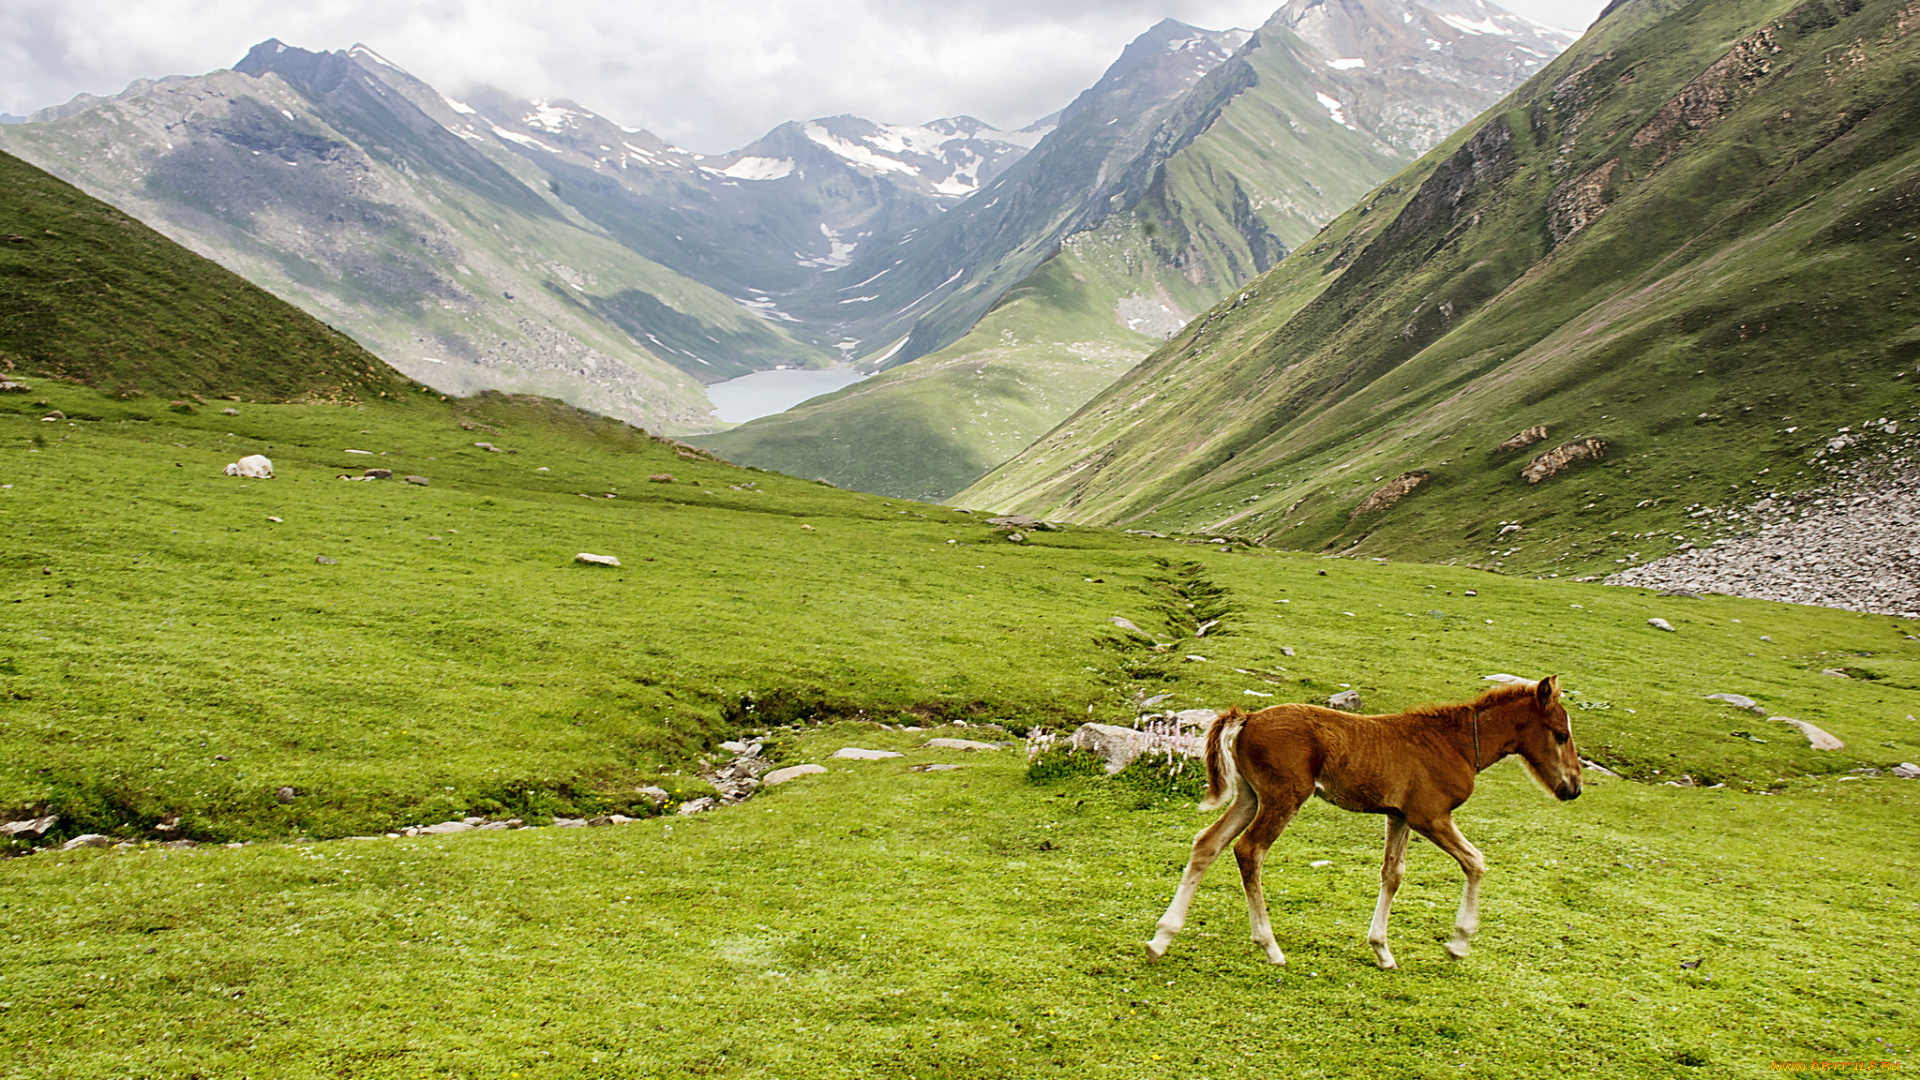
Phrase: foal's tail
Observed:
(1222, 775)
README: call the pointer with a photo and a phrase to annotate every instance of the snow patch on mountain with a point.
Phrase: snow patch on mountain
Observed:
(759, 168)
(1334, 107)
(856, 153)
(1347, 64)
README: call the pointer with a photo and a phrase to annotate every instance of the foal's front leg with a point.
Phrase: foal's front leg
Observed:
(1393, 867)
(1447, 838)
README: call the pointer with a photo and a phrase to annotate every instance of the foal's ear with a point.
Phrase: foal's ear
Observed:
(1546, 690)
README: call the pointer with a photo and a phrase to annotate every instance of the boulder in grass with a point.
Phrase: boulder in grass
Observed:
(420, 480)
(445, 827)
(959, 744)
(596, 560)
(1740, 701)
(1816, 738)
(253, 467)
(856, 753)
(33, 827)
(1662, 624)
(1345, 701)
(791, 772)
(1120, 745)
(661, 478)
(87, 840)
(380, 474)
(1907, 770)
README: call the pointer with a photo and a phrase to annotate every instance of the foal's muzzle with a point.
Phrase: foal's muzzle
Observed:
(1568, 791)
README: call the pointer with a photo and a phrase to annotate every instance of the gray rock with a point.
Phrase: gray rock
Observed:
(697, 806)
(1596, 767)
(1817, 738)
(1020, 521)
(324, 561)
(1907, 770)
(653, 794)
(446, 827)
(596, 560)
(1503, 678)
(1119, 745)
(1195, 717)
(1286, 650)
(229, 411)
(569, 823)
(855, 753)
(1345, 701)
(380, 474)
(959, 744)
(603, 819)
(1127, 625)
(1836, 673)
(495, 826)
(420, 480)
(734, 746)
(1740, 701)
(937, 768)
(1662, 624)
(285, 794)
(791, 772)
(87, 840)
(34, 827)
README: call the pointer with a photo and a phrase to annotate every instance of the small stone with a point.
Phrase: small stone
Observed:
(959, 744)
(1319, 863)
(1345, 701)
(1818, 739)
(1187, 718)
(597, 822)
(1286, 650)
(273, 519)
(855, 753)
(653, 794)
(735, 746)
(380, 474)
(1907, 770)
(569, 823)
(697, 806)
(493, 825)
(1196, 658)
(1504, 679)
(420, 480)
(791, 772)
(229, 411)
(86, 840)
(1662, 624)
(597, 560)
(1740, 701)
(446, 827)
(1016, 537)
(324, 561)
(221, 757)
(55, 415)
(661, 478)
(1836, 673)
(285, 794)
(937, 768)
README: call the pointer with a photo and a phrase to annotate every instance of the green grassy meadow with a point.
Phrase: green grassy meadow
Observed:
(169, 652)
(880, 922)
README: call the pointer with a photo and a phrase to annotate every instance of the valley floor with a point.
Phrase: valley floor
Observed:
(877, 921)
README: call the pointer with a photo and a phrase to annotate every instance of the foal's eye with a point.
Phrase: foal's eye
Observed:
(1560, 737)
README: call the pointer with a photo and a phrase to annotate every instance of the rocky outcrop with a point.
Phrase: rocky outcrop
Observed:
(1561, 458)
(1522, 440)
(1396, 489)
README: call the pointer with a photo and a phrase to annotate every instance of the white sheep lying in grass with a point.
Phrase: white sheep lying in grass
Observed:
(255, 466)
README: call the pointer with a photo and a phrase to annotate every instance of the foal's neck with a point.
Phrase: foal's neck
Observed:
(1489, 730)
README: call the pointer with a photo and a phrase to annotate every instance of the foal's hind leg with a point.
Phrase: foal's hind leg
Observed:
(1251, 852)
(1447, 838)
(1206, 847)
(1392, 868)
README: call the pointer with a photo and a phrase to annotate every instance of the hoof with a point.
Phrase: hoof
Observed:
(1457, 950)
(1275, 956)
(1386, 963)
(1155, 952)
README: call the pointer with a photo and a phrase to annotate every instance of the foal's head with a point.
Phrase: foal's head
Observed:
(1546, 740)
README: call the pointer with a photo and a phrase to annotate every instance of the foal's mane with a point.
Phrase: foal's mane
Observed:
(1458, 712)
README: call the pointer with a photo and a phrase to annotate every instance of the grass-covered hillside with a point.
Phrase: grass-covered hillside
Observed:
(1689, 240)
(174, 652)
(89, 294)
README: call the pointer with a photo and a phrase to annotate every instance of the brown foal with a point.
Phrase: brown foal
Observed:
(1415, 767)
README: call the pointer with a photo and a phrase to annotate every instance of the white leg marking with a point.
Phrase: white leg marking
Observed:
(1393, 868)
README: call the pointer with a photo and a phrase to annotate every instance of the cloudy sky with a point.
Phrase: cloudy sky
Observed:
(709, 74)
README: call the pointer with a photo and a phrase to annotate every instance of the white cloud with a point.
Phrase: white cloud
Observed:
(708, 74)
